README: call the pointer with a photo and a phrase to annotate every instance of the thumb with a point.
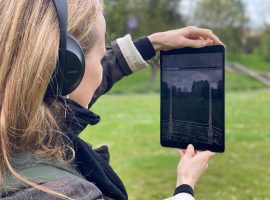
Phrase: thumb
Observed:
(195, 43)
(190, 151)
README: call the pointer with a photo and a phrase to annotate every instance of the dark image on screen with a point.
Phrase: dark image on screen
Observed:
(193, 103)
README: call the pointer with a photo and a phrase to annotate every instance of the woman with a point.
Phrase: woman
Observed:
(42, 156)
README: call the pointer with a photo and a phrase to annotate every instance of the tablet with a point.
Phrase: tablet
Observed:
(193, 98)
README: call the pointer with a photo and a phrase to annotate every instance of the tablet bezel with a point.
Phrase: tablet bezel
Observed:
(187, 50)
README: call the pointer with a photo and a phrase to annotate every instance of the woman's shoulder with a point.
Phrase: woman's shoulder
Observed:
(51, 174)
(76, 188)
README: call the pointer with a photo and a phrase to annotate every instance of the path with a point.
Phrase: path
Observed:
(263, 77)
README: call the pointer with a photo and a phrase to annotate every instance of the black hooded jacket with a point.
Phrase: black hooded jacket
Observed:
(93, 164)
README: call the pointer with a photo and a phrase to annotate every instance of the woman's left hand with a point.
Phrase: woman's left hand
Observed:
(190, 36)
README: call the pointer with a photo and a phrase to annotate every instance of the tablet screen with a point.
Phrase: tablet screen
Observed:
(192, 100)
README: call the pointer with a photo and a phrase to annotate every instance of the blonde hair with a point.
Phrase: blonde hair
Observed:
(29, 38)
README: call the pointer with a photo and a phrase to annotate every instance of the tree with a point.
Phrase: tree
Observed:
(264, 47)
(152, 16)
(226, 18)
(142, 17)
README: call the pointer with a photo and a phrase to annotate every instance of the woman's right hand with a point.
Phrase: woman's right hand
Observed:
(192, 165)
(190, 36)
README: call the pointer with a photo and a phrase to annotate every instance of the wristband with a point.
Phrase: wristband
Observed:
(184, 188)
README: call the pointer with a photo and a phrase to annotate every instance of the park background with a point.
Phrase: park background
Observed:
(130, 111)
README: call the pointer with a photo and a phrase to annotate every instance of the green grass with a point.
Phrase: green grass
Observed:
(139, 83)
(252, 61)
(130, 126)
(240, 82)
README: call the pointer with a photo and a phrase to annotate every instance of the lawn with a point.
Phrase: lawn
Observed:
(139, 83)
(130, 126)
(252, 61)
(240, 82)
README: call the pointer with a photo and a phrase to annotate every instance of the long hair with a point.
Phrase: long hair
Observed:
(29, 42)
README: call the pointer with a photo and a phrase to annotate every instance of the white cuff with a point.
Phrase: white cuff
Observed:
(181, 196)
(133, 57)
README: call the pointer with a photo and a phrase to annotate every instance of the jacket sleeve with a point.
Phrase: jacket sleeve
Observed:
(181, 196)
(183, 192)
(123, 58)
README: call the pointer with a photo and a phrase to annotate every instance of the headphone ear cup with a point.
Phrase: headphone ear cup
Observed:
(75, 66)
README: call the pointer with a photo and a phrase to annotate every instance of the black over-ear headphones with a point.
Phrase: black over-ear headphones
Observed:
(71, 62)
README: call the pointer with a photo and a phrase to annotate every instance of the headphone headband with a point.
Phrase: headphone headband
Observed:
(71, 62)
(62, 14)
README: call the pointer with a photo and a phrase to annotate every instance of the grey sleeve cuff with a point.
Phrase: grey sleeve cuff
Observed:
(132, 56)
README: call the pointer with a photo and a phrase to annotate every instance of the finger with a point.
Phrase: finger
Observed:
(203, 151)
(205, 33)
(202, 38)
(184, 150)
(181, 152)
(190, 151)
(210, 153)
(205, 155)
(208, 33)
(195, 43)
(209, 41)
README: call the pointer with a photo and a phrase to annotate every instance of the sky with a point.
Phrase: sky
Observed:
(185, 78)
(257, 10)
